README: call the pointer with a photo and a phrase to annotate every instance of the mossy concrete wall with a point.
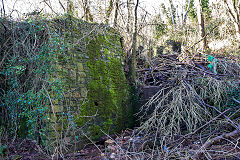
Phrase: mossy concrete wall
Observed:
(92, 75)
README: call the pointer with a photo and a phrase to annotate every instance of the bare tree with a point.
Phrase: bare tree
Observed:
(3, 9)
(201, 24)
(87, 14)
(70, 7)
(172, 10)
(185, 15)
(234, 11)
(109, 11)
(133, 57)
(129, 16)
(116, 13)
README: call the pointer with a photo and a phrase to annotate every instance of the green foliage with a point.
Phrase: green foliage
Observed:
(205, 8)
(160, 29)
(192, 11)
(26, 101)
(219, 94)
(233, 92)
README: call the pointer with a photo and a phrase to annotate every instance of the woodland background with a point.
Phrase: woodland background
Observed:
(120, 79)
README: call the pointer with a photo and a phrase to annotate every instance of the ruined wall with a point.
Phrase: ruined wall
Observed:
(74, 83)
(94, 78)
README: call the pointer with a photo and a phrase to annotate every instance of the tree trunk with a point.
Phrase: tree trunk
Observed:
(129, 18)
(116, 13)
(172, 14)
(3, 8)
(87, 14)
(133, 56)
(237, 28)
(109, 11)
(188, 8)
(201, 25)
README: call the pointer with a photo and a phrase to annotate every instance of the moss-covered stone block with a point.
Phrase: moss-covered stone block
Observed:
(75, 78)
(107, 89)
(93, 79)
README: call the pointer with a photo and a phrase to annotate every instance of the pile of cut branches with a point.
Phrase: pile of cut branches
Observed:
(196, 107)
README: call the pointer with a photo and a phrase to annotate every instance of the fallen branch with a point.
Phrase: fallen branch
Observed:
(235, 100)
(200, 128)
(206, 124)
(210, 142)
(205, 104)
